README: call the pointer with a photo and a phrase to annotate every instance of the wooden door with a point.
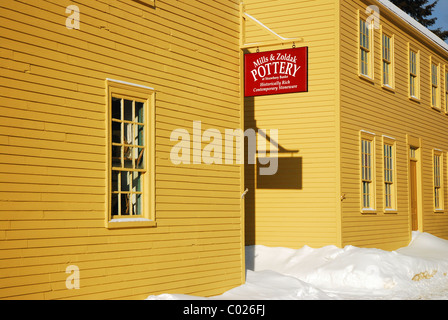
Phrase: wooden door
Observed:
(413, 195)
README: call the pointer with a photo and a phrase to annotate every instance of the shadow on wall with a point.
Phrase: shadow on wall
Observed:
(288, 176)
(250, 258)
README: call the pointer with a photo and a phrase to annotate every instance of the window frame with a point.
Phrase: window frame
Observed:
(414, 75)
(369, 50)
(435, 84)
(370, 178)
(438, 183)
(390, 172)
(133, 92)
(390, 62)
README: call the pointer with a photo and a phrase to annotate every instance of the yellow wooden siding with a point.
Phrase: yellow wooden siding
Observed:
(53, 148)
(306, 122)
(367, 106)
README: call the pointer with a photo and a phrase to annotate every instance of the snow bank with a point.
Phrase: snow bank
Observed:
(418, 271)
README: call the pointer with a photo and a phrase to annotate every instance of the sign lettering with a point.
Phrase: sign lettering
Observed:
(276, 72)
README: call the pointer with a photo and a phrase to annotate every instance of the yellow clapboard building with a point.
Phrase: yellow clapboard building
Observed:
(119, 173)
(91, 205)
(365, 149)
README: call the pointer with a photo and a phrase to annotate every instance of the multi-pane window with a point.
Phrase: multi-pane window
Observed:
(434, 85)
(131, 153)
(438, 193)
(128, 156)
(387, 60)
(413, 74)
(365, 50)
(389, 176)
(366, 168)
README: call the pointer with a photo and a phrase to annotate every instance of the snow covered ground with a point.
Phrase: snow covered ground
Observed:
(418, 271)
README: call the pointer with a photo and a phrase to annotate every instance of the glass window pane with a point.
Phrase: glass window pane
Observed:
(116, 108)
(128, 105)
(125, 205)
(115, 181)
(137, 204)
(114, 204)
(125, 182)
(139, 158)
(116, 157)
(128, 133)
(116, 132)
(386, 73)
(137, 182)
(140, 141)
(128, 157)
(139, 116)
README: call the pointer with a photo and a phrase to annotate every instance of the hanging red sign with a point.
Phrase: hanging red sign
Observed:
(276, 72)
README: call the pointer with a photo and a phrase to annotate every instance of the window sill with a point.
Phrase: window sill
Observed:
(388, 88)
(437, 108)
(415, 99)
(368, 211)
(390, 211)
(147, 2)
(130, 223)
(439, 211)
(366, 78)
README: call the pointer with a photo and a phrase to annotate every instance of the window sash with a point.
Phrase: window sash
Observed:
(128, 156)
(413, 63)
(386, 73)
(366, 194)
(388, 164)
(387, 60)
(434, 96)
(364, 62)
(437, 198)
(364, 43)
(413, 74)
(366, 160)
(366, 168)
(412, 85)
(388, 175)
(434, 75)
(388, 195)
(364, 35)
(438, 182)
(386, 48)
(434, 84)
